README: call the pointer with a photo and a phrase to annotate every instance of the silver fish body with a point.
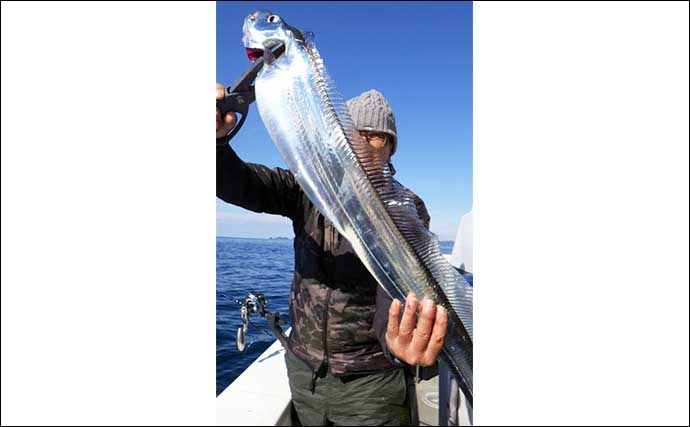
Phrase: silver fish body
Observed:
(310, 124)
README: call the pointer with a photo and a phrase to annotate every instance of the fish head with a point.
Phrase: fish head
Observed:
(262, 29)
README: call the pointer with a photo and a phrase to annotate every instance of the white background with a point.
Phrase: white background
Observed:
(581, 213)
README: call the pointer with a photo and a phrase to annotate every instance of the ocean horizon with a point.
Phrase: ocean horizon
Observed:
(444, 243)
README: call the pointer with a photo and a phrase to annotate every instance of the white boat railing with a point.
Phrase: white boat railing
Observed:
(260, 395)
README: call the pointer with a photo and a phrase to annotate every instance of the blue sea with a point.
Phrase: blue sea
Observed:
(244, 265)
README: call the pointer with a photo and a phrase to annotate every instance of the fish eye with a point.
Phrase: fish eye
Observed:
(273, 18)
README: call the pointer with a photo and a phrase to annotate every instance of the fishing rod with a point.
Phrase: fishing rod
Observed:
(241, 94)
(256, 302)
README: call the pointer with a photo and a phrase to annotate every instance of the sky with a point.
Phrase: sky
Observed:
(418, 54)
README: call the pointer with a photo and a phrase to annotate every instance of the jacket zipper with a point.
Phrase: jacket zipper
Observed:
(328, 246)
(325, 328)
(324, 362)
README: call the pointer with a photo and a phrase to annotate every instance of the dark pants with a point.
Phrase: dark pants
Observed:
(363, 400)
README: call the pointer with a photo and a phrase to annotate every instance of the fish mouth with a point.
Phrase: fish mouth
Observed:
(253, 54)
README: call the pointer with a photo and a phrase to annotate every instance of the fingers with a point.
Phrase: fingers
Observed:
(408, 319)
(425, 323)
(393, 320)
(230, 120)
(222, 129)
(416, 340)
(438, 336)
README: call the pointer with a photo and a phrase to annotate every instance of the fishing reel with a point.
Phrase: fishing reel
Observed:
(256, 302)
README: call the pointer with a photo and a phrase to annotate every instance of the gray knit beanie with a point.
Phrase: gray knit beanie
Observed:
(370, 111)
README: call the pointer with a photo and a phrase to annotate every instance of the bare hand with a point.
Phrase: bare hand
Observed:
(230, 119)
(420, 345)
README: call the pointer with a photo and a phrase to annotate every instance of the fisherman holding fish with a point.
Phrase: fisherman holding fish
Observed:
(349, 346)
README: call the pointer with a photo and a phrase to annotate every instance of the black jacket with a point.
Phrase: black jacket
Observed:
(339, 313)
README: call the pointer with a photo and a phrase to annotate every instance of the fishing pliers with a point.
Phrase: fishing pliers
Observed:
(240, 95)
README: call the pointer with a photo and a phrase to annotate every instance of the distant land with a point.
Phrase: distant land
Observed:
(442, 242)
(256, 238)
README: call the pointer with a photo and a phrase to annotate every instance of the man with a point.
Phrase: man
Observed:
(348, 345)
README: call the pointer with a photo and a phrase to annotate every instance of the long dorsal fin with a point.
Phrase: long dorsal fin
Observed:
(398, 201)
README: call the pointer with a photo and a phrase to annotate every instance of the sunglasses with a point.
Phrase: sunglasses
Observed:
(374, 136)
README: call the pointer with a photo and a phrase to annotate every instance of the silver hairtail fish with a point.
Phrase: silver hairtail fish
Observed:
(310, 124)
